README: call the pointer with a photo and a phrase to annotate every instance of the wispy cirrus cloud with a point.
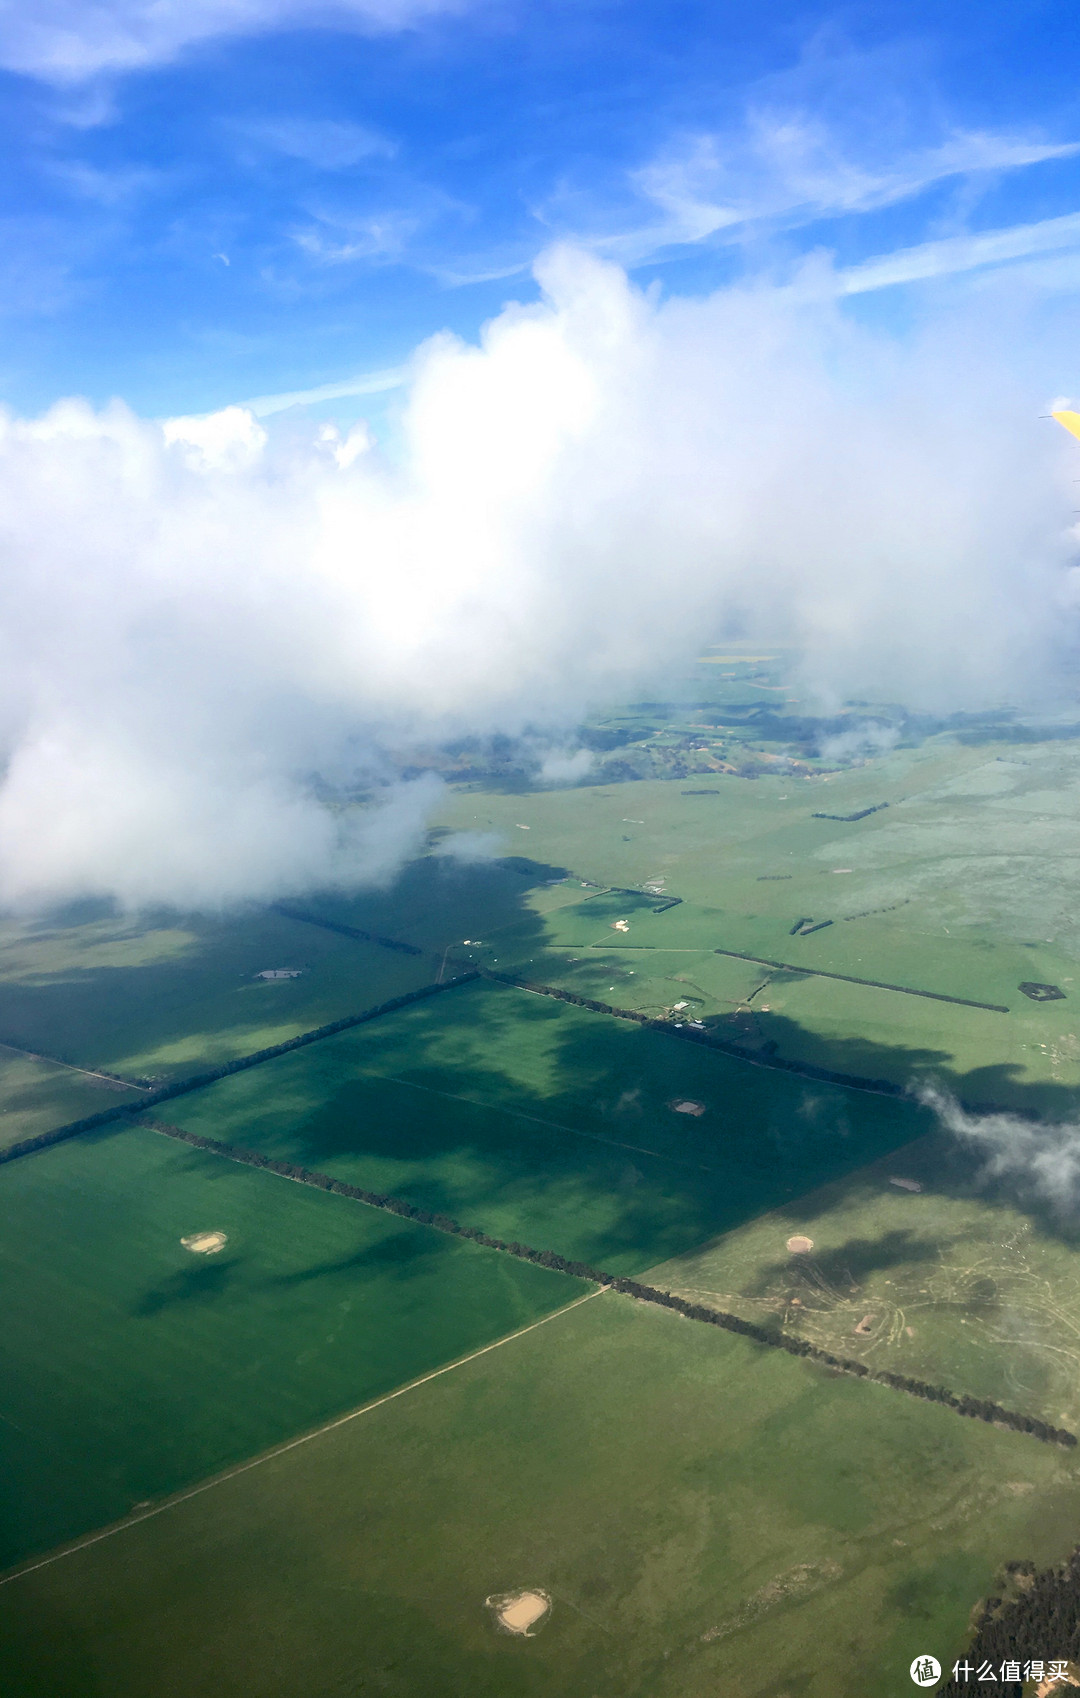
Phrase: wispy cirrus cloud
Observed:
(787, 171)
(66, 42)
(366, 383)
(326, 144)
(954, 254)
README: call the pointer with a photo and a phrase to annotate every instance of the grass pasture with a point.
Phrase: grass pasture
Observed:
(133, 1366)
(950, 1284)
(964, 885)
(540, 1121)
(707, 1517)
(36, 1095)
(164, 997)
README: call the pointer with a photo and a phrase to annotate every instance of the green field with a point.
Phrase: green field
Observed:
(36, 1095)
(708, 1518)
(159, 998)
(952, 1284)
(965, 884)
(540, 1121)
(132, 1366)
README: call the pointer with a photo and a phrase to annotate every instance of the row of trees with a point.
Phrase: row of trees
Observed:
(849, 818)
(196, 1081)
(978, 1408)
(347, 931)
(694, 1035)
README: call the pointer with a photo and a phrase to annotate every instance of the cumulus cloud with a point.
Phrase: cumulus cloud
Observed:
(67, 41)
(1042, 1160)
(210, 636)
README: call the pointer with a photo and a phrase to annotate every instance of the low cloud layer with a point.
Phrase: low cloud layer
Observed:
(1041, 1161)
(206, 631)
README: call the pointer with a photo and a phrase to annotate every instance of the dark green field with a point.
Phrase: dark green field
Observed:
(132, 1366)
(164, 997)
(708, 1518)
(536, 1120)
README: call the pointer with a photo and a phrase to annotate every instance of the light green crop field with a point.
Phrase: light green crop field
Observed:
(708, 1517)
(946, 1283)
(164, 998)
(540, 1121)
(132, 1365)
(36, 1095)
(965, 883)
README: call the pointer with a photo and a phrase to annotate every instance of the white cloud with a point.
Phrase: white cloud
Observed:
(955, 254)
(560, 766)
(858, 743)
(66, 42)
(1041, 1159)
(202, 628)
(367, 383)
(328, 144)
(225, 441)
(472, 846)
(784, 169)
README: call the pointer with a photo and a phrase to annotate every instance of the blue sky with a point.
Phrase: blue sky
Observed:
(209, 202)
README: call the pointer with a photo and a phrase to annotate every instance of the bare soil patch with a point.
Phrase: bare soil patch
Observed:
(520, 1612)
(205, 1243)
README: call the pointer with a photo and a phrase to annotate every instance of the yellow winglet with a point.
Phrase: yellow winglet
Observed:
(1071, 421)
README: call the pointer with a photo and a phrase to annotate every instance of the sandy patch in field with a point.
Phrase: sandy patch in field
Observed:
(205, 1243)
(686, 1105)
(800, 1246)
(519, 1612)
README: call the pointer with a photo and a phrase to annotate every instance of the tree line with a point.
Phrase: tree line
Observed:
(977, 1408)
(1043, 1622)
(196, 1081)
(693, 1035)
(346, 931)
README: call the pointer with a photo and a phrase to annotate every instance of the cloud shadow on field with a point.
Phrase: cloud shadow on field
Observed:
(403, 1255)
(533, 1119)
(852, 1262)
(200, 1284)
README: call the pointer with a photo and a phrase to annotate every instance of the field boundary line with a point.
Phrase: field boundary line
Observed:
(537, 1120)
(707, 1039)
(177, 1499)
(850, 979)
(288, 912)
(756, 1058)
(239, 1064)
(962, 1404)
(73, 1067)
